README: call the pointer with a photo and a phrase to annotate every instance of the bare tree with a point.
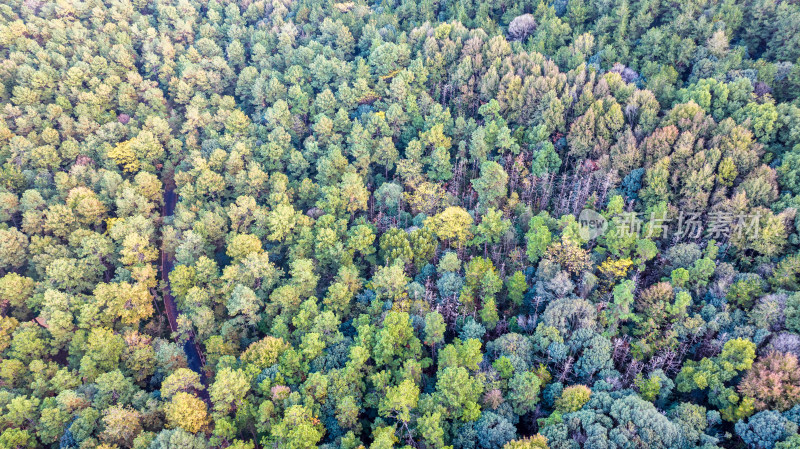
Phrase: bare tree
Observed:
(521, 27)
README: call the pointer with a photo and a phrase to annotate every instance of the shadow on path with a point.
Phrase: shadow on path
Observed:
(193, 354)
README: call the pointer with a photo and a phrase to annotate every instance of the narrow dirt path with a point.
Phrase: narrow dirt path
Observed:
(193, 354)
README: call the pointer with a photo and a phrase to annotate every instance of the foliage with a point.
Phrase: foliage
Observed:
(763, 429)
(302, 224)
(573, 398)
(773, 382)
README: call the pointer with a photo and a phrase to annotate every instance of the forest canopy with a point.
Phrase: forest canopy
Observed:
(402, 224)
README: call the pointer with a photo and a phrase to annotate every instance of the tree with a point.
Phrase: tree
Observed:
(242, 245)
(178, 438)
(745, 291)
(137, 250)
(491, 228)
(228, 390)
(459, 393)
(52, 423)
(388, 196)
(354, 193)
(535, 442)
(494, 431)
(427, 197)
(180, 380)
(449, 284)
(521, 27)
(122, 425)
(466, 353)
(545, 161)
(488, 313)
(13, 248)
(516, 287)
(17, 438)
(430, 428)
(423, 244)
(621, 309)
(569, 315)
(651, 427)
(712, 374)
(400, 400)
(763, 429)
(524, 391)
(785, 274)
(396, 341)
(103, 352)
(569, 255)
(131, 304)
(573, 398)
(383, 438)
(386, 154)
(435, 328)
(265, 352)
(187, 412)
(123, 154)
(453, 224)
(390, 282)
(298, 429)
(538, 237)
(394, 244)
(773, 382)
(16, 290)
(792, 312)
(281, 221)
(492, 185)
(244, 301)
(481, 276)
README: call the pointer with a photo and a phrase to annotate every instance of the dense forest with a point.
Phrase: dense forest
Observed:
(461, 224)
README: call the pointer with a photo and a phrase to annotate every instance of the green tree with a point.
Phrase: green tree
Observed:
(492, 185)
(435, 328)
(713, 373)
(459, 393)
(524, 391)
(187, 412)
(229, 390)
(13, 248)
(538, 237)
(400, 401)
(453, 224)
(396, 341)
(390, 282)
(573, 398)
(298, 429)
(516, 286)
